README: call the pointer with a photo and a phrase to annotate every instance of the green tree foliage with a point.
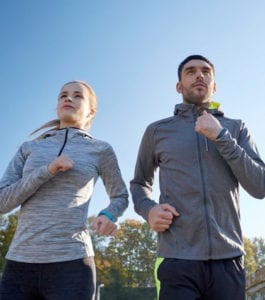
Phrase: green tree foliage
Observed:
(255, 254)
(133, 249)
(125, 263)
(260, 251)
(251, 264)
(6, 235)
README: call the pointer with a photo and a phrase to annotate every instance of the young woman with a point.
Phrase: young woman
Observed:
(52, 179)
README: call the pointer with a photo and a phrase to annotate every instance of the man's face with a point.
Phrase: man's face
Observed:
(197, 82)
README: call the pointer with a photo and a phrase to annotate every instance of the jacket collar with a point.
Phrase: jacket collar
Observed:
(186, 109)
(71, 132)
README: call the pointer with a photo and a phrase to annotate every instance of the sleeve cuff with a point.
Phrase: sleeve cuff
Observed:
(108, 215)
(221, 133)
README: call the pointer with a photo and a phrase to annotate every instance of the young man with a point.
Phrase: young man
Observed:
(202, 156)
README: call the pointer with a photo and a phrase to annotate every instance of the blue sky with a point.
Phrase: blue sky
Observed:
(129, 52)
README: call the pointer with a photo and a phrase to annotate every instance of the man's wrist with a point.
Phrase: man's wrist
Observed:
(221, 133)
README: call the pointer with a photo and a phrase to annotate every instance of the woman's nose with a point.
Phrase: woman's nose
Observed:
(68, 99)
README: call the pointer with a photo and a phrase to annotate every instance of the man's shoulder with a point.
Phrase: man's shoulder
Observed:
(161, 122)
(232, 121)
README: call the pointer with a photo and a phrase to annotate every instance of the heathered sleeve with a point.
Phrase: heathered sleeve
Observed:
(16, 188)
(242, 156)
(110, 174)
(141, 184)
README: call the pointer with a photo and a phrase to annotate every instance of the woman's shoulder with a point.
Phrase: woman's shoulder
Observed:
(104, 145)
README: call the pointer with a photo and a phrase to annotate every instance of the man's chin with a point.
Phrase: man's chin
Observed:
(197, 101)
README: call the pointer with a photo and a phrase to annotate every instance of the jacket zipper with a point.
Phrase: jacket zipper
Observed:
(206, 144)
(204, 188)
(64, 143)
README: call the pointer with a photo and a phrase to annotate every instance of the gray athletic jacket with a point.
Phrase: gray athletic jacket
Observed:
(200, 179)
(53, 214)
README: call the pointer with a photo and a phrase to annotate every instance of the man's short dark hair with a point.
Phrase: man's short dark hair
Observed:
(191, 57)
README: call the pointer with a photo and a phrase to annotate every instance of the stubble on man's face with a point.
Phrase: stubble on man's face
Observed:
(197, 97)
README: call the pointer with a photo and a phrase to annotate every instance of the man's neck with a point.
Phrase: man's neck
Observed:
(201, 105)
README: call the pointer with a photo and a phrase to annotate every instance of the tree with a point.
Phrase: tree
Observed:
(251, 264)
(260, 251)
(133, 249)
(125, 263)
(3, 221)
(6, 235)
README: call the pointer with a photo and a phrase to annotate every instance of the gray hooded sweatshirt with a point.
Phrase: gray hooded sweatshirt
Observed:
(200, 178)
(53, 213)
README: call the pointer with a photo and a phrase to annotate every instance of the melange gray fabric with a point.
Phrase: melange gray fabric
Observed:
(200, 178)
(53, 214)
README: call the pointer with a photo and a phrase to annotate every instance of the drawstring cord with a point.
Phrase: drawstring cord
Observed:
(206, 144)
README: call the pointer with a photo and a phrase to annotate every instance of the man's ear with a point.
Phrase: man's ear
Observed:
(179, 87)
(214, 87)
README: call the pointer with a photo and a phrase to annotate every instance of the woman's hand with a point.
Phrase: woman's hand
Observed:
(104, 226)
(61, 164)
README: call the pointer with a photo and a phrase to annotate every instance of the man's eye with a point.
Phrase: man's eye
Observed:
(63, 96)
(206, 72)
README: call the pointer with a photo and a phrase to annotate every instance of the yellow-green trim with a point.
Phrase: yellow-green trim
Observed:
(158, 262)
(213, 105)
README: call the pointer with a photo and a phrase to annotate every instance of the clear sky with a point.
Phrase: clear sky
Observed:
(129, 52)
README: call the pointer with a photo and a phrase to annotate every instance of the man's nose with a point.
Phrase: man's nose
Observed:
(200, 75)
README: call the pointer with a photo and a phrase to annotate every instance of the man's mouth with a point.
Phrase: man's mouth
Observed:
(199, 85)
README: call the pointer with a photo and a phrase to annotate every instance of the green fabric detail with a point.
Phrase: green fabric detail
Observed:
(158, 261)
(213, 105)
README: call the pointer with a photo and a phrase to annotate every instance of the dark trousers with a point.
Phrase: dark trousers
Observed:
(201, 280)
(70, 280)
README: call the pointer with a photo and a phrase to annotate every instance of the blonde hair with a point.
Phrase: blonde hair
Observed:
(55, 124)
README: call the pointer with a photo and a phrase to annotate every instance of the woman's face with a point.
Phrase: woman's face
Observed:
(73, 106)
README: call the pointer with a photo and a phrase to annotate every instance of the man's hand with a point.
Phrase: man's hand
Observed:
(104, 226)
(61, 164)
(161, 216)
(208, 125)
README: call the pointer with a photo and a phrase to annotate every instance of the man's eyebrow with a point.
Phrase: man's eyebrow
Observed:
(189, 68)
(193, 67)
(206, 68)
